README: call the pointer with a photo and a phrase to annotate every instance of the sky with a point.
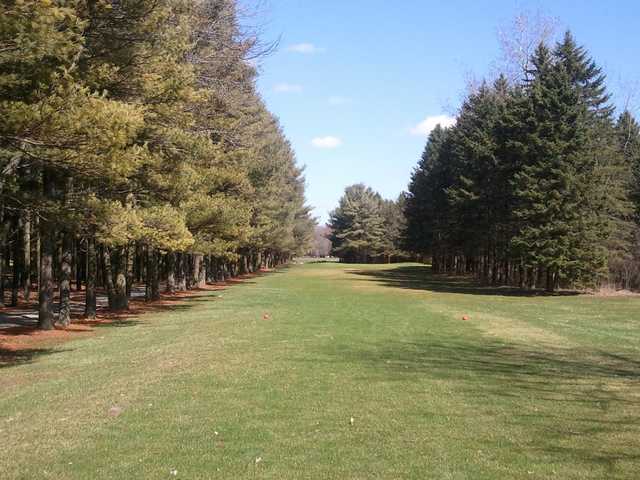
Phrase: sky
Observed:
(358, 84)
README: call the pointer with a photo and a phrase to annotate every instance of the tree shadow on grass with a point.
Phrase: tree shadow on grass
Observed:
(34, 343)
(570, 403)
(421, 277)
(22, 342)
(11, 358)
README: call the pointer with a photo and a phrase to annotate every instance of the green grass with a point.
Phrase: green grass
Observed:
(530, 387)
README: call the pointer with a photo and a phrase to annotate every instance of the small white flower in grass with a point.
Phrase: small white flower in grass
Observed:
(351, 421)
(215, 432)
(258, 460)
(173, 472)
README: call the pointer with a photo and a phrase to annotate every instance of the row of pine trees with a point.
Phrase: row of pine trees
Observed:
(134, 148)
(538, 183)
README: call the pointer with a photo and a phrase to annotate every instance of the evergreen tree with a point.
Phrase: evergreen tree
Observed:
(560, 233)
(427, 209)
(394, 226)
(628, 132)
(625, 261)
(357, 224)
(585, 76)
(530, 187)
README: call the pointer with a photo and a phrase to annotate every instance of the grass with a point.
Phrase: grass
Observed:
(530, 387)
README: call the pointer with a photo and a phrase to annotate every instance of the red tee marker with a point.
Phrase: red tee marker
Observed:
(465, 318)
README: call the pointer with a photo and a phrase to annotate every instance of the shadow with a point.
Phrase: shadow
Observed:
(11, 358)
(113, 324)
(421, 277)
(516, 364)
(321, 260)
(568, 402)
(21, 321)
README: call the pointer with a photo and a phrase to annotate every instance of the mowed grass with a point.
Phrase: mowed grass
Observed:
(529, 387)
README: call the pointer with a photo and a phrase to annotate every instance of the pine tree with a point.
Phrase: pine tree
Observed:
(357, 225)
(560, 232)
(428, 210)
(481, 195)
(628, 132)
(392, 212)
(625, 266)
(585, 76)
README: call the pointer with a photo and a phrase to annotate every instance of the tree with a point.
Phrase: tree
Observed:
(427, 208)
(530, 187)
(357, 225)
(394, 224)
(624, 263)
(134, 142)
(518, 41)
(321, 243)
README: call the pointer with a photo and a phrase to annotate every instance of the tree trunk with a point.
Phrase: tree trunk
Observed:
(128, 268)
(2, 263)
(80, 264)
(188, 266)
(181, 284)
(171, 272)
(17, 260)
(153, 281)
(550, 283)
(120, 298)
(45, 297)
(108, 276)
(155, 275)
(36, 225)
(90, 299)
(47, 247)
(64, 315)
(199, 272)
(26, 259)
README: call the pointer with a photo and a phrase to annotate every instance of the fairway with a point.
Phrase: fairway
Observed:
(337, 371)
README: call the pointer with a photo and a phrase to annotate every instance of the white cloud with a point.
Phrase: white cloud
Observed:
(337, 100)
(326, 142)
(424, 128)
(305, 48)
(287, 88)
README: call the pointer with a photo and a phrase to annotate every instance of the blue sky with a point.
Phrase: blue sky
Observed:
(356, 83)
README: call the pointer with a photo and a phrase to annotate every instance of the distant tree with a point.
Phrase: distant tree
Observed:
(321, 244)
(357, 224)
(392, 212)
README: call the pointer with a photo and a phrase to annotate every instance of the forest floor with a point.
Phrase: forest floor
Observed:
(336, 371)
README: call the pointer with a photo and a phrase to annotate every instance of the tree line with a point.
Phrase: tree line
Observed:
(135, 148)
(536, 185)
